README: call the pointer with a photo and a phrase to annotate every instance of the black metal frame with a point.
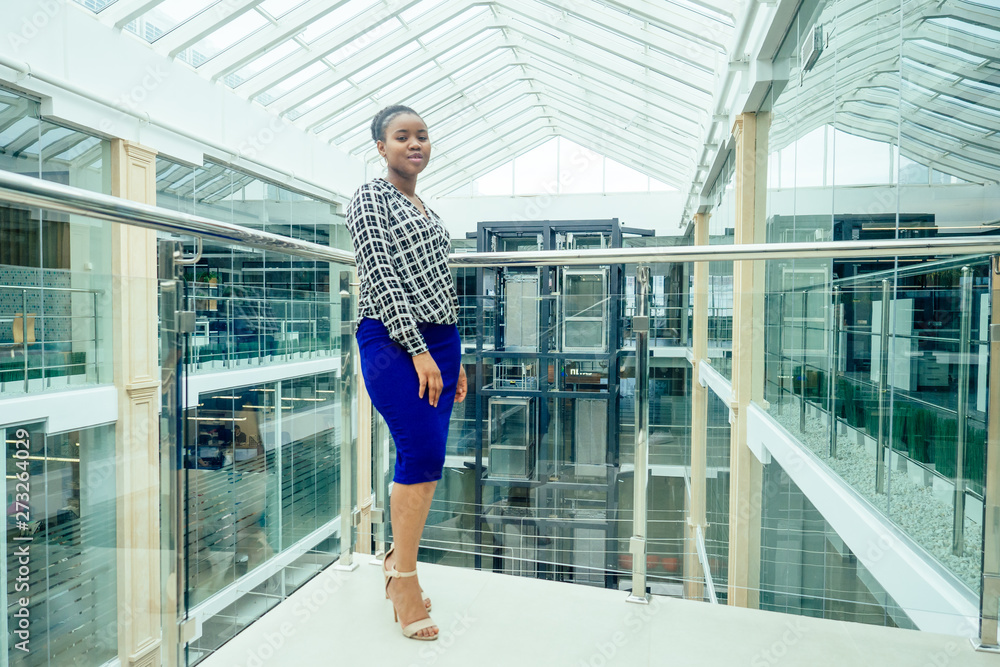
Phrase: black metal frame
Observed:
(486, 236)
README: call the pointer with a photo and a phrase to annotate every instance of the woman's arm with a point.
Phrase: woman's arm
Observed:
(368, 223)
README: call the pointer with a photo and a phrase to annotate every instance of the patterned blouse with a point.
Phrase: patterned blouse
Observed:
(402, 259)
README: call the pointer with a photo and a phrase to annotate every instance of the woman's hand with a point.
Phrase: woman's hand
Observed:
(463, 386)
(430, 377)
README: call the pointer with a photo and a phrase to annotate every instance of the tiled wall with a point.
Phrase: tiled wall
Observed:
(52, 316)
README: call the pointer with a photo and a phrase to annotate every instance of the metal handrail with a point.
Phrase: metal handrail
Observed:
(727, 253)
(43, 288)
(34, 192)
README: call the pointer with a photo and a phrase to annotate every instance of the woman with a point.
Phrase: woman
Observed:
(408, 342)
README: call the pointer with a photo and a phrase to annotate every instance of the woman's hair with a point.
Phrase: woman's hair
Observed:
(381, 120)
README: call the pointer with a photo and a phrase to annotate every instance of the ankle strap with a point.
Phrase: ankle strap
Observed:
(396, 573)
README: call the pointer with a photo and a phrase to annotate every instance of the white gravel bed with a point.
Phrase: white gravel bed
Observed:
(912, 507)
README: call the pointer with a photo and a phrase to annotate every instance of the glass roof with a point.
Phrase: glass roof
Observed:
(943, 74)
(622, 77)
(631, 79)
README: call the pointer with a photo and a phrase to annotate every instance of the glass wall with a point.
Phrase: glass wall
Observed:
(717, 493)
(60, 546)
(263, 473)
(263, 476)
(883, 130)
(255, 307)
(721, 226)
(806, 569)
(55, 285)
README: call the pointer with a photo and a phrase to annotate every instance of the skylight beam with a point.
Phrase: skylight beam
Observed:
(344, 35)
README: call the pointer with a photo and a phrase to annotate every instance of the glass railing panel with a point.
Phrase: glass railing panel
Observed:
(264, 439)
(230, 458)
(552, 379)
(896, 392)
(62, 555)
(720, 317)
(61, 575)
(55, 306)
(807, 569)
(252, 325)
(717, 447)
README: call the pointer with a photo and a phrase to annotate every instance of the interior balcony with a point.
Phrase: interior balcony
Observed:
(341, 617)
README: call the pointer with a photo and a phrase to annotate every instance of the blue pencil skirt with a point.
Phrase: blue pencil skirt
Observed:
(419, 430)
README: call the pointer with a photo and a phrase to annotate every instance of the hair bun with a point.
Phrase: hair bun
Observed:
(381, 120)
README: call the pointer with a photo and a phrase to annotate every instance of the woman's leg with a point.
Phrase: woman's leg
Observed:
(408, 505)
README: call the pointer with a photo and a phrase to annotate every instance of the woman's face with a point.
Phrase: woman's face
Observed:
(406, 147)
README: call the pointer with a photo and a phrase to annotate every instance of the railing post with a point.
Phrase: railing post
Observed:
(989, 600)
(24, 334)
(637, 544)
(176, 627)
(346, 561)
(696, 568)
(97, 358)
(834, 346)
(782, 376)
(883, 380)
(964, 340)
(802, 369)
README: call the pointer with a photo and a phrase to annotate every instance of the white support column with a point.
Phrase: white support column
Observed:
(748, 369)
(137, 377)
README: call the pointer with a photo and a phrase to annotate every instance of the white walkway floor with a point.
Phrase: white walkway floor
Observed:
(341, 618)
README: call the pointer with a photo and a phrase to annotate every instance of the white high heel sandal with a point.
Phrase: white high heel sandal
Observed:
(409, 631)
(427, 600)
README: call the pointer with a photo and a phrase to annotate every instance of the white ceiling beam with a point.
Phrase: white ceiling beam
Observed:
(684, 117)
(355, 29)
(448, 180)
(443, 120)
(287, 27)
(203, 25)
(123, 12)
(714, 33)
(489, 129)
(370, 88)
(622, 127)
(14, 113)
(511, 125)
(453, 177)
(612, 145)
(89, 156)
(62, 145)
(595, 38)
(601, 62)
(26, 139)
(440, 121)
(581, 132)
(681, 127)
(684, 50)
(486, 59)
(368, 57)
